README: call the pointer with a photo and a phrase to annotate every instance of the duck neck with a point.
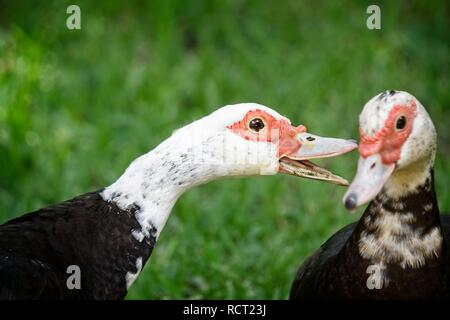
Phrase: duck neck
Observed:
(153, 182)
(402, 225)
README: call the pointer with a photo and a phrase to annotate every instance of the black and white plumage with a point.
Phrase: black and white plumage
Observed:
(110, 234)
(87, 231)
(399, 249)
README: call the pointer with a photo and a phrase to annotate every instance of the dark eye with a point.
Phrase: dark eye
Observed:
(401, 123)
(256, 124)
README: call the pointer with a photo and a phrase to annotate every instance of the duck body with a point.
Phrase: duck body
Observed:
(37, 250)
(338, 270)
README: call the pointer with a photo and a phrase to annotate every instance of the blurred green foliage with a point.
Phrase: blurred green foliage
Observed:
(77, 106)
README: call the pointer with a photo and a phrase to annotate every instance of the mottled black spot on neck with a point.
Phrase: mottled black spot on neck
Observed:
(115, 195)
(421, 203)
(134, 208)
(418, 211)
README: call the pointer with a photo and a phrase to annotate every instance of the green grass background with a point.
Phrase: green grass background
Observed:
(76, 107)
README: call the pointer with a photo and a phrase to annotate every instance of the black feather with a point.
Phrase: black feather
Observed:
(37, 248)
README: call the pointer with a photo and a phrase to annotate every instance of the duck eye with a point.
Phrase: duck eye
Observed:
(401, 123)
(256, 124)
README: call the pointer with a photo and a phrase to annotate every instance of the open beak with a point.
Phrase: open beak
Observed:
(370, 178)
(314, 147)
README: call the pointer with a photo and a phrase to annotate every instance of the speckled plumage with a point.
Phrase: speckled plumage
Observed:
(338, 271)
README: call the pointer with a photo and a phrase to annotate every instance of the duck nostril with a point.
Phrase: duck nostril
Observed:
(310, 138)
(351, 201)
(373, 165)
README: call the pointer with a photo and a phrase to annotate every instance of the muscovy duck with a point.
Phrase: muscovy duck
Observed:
(108, 235)
(399, 249)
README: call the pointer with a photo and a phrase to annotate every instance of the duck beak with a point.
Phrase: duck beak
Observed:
(315, 147)
(370, 178)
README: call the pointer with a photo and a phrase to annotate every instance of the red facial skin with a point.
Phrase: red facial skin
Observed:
(389, 140)
(276, 131)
